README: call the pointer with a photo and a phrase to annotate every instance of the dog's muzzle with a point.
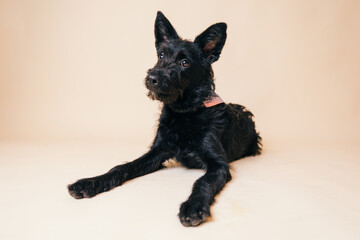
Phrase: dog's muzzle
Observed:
(151, 81)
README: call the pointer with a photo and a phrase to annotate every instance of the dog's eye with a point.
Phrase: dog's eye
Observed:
(185, 63)
(161, 55)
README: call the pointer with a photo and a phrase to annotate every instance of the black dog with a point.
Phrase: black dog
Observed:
(195, 127)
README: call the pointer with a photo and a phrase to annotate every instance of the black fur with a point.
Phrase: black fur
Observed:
(196, 136)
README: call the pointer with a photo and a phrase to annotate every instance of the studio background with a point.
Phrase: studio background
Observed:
(75, 69)
(73, 104)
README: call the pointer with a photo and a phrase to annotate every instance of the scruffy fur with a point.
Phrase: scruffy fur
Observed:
(197, 136)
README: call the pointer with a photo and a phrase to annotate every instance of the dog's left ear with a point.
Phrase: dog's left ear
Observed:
(164, 31)
(212, 40)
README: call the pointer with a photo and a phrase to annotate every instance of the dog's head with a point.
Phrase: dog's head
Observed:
(182, 64)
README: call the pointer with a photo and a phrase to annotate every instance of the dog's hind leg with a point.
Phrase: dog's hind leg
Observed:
(148, 163)
(197, 208)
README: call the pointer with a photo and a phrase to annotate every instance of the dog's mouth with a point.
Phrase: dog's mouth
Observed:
(163, 96)
(158, 95)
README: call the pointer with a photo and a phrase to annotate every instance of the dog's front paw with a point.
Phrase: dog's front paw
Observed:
(193, 212)
(85, 188)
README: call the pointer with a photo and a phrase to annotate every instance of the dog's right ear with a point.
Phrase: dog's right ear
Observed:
(164, 31)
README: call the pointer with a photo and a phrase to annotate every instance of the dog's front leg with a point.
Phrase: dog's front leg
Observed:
(197, 208)
(148, 163)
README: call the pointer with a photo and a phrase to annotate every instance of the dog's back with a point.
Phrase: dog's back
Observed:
(240, 138)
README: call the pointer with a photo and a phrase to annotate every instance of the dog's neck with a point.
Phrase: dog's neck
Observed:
(199, 101)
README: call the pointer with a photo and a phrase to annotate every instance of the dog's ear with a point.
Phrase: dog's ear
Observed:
(212, 40)
(164, 31)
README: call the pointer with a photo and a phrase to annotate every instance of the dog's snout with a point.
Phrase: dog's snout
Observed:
(151, 79)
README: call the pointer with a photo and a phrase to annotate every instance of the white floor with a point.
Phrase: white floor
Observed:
(297, 192)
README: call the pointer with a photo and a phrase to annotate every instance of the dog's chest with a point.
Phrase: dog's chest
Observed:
(184, 136)
(183, 130)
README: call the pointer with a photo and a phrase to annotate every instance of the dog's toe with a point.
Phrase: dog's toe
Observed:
(72, 191)
(84, 188)
(193, 213)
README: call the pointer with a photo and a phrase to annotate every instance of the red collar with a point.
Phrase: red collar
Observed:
(213, 101)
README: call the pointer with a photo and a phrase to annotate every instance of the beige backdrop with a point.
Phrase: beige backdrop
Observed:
(74, 70)
(73, 105)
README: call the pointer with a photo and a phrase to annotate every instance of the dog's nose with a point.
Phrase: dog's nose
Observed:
(152, 80)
